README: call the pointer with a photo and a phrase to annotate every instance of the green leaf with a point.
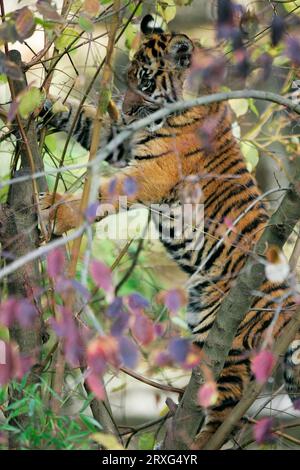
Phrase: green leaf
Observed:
(130, 34)
(253, 107)
(3, 79)
(76, 5)
(251, 154)
(85, 23)
(4, 333)
(167, 9)
(146, 441)
(30, 100)
(66, 39)
(90, 422)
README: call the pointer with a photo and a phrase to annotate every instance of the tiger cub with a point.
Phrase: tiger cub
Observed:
(169, 160)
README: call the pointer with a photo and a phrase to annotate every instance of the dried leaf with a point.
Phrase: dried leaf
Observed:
(48, 11)
(25, 24)
(9, 68)
(91, 7)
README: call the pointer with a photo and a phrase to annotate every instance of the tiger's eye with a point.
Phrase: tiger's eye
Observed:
(146, 84)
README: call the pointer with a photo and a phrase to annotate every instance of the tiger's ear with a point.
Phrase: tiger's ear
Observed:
(180, 49)
(150, 25)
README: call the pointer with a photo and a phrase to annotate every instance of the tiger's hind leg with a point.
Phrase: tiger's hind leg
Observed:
(233, 379)
(292, 370)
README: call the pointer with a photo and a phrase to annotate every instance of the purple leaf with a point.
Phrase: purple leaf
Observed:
(112, 187)
(242, 62)
(174, 299)
(163, 359)
(7, 311)
(137, 302)
(120, 325)
(225, 11)
(21, 310)
(159, 329)
(296, 404)
(12, 365)
(55, 263)
(179, 349)
(263, 431)
(265, 61)
(293, 50)
(101, 275)
(208, 394)
(143, 329)
(130, 186)
(128, 352)
(95, 383)
(13, 109)
(102, 351)
(116, 308)
(214, 74)
(262, 365)
(91, 212)
(277, 29)
(25, 312)
(67, 329)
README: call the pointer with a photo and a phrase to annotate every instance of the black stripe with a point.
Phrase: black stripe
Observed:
(184, 124)
(229, 379)
(262, 328)
(236, 205)
(78, 123)
(84, 136)
(233, 163)
(226, 403)
(216, 158)
(64, 120)
(193, 152)
(150, 156)
(172, 87)
(240, 258)
(232, 192)
(202, 330)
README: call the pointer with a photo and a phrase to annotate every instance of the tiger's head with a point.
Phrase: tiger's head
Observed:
(157, 71)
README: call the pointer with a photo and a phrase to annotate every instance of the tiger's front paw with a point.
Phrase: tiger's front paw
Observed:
(59, 213)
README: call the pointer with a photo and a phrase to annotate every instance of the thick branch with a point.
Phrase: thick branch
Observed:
(230, 314)
(288, 334)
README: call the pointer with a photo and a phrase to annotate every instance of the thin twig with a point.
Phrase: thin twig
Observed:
(152, 383)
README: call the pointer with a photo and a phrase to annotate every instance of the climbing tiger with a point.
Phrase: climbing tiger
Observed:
(168, 160)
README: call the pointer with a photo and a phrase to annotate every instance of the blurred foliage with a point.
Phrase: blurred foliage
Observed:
(265, 50)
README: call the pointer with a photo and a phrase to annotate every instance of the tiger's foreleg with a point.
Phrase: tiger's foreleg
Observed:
(151, 181)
